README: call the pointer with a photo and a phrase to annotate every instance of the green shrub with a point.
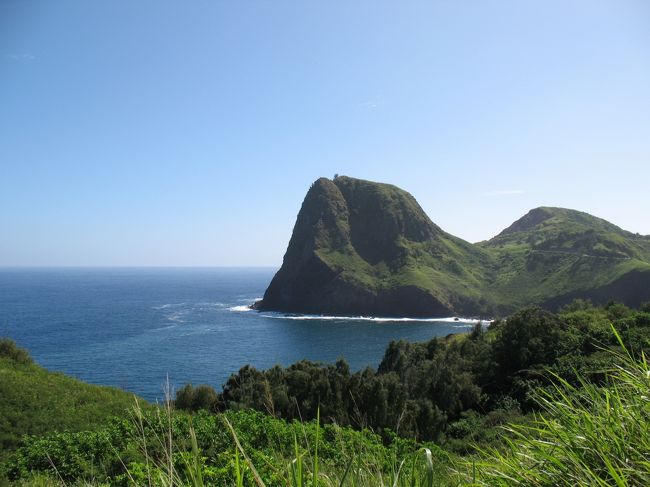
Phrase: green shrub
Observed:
(9, 349)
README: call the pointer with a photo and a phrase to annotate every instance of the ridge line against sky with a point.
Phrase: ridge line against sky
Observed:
(154, 133)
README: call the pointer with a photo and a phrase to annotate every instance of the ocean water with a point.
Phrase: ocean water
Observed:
(135, 327)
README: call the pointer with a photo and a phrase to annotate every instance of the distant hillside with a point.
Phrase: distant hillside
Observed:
(553, 255)
(34, 401)
(360, 247)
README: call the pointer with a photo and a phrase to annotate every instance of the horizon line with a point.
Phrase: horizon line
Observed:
(103, 266)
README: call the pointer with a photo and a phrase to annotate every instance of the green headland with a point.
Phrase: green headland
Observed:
(365, 248)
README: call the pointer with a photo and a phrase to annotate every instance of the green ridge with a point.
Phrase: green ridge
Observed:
(552, 255)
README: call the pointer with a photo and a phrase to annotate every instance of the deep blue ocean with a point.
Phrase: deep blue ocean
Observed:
(134, 327)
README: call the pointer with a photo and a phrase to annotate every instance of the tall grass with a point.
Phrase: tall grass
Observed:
(170, 465)
(585, 435)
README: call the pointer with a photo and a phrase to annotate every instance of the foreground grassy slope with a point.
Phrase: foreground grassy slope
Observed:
(590, 434)
(35, 401)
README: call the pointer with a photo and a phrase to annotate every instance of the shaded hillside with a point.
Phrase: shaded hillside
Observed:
(366, 248)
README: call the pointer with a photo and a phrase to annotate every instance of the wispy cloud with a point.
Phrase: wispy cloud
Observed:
(20, 56)
(504, 192)
(372, 103)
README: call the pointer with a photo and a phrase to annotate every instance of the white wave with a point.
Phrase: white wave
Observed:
(241, 309)
(458, 319)
(210, 305)
(377, 319)
(245, 307)
(178, 316)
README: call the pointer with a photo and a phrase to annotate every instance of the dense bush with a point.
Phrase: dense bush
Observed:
(9, 350)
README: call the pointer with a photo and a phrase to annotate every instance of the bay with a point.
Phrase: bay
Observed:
(136, 328)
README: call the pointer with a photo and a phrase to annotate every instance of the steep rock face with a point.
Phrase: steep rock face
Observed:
(322, 223)
(352, 238)
(379, 215)
(365, 248)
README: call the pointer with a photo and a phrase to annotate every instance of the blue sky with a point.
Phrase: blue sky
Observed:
(187, 133)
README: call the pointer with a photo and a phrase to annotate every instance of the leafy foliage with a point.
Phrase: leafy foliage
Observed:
(183, 448)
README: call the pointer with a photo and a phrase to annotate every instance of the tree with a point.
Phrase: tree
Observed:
(530, 338)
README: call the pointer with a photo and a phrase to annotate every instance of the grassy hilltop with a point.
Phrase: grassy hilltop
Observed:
(360, 247)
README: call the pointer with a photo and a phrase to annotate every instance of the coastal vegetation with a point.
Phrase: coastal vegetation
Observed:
(449, 390)
(538, 399)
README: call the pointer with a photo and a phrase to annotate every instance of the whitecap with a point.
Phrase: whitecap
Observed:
(240, 309)
(177, 317)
